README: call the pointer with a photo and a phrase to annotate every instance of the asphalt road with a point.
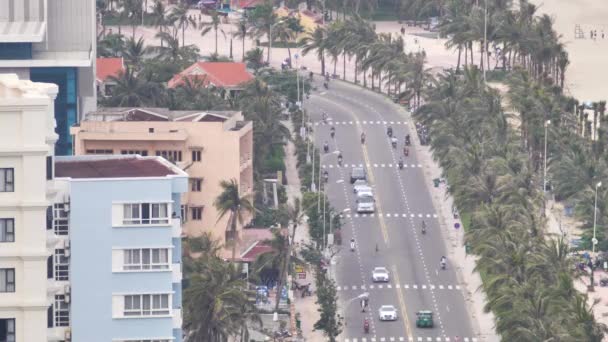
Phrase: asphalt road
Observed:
(402, 202)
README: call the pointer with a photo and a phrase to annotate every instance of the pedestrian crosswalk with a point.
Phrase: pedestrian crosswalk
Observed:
(412, 339)
(389, 286)
(375, 165)
(371, 122)
(390, 215)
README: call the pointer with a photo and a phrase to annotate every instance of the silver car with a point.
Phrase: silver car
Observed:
(387, 313)
(365, 204)
(380, 274)
(360, 184)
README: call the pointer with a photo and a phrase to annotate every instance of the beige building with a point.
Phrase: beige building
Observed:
(209, 146)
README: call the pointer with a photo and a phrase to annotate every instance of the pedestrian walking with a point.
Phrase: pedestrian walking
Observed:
(402, 30)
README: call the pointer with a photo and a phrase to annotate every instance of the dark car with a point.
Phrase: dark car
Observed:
(357, 173)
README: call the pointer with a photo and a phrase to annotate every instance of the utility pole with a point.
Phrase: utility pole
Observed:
(485, 37)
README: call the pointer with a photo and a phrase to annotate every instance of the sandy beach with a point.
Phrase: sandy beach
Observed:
(587, 71)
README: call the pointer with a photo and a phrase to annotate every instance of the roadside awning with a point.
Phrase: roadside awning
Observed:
(22, 31)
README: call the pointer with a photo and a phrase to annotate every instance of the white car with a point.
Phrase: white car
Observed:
(360, 184)
(387, 313)
(365, 192)
(366, 204)
(380, 274)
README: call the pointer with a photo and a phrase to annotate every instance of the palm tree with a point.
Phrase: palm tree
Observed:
(262, 19)
(172, 52)
(214, 25)
(255, 59)
(231, 203)
(284, 33)
(134, 91)
(134, 9)
(217, 302)
(112, 45)
(277, 258)
(134, 52)
(179, 16)
(242, 32)
(316, 41)
(159, 16)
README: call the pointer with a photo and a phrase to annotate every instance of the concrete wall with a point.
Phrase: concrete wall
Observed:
(26, 139)
(93, 239)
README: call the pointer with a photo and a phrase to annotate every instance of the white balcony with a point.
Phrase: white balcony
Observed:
(54, 287)
(58, 333)
(51, 239)
(176, 227)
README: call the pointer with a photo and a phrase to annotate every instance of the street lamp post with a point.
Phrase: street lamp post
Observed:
(547, 123)
(270, 39)
(485, 36)
(594, 239)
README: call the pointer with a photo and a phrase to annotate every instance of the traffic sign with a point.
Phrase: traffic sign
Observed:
(299, 269)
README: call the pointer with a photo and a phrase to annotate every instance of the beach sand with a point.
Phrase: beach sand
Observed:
(587, 74)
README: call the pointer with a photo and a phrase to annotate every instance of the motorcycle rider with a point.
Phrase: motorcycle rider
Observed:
(340, 158)
(352, 244)
(366, 325)
(325, 176)
(443, 262)
(394, 142)
(324, 116)
(363, 137)
(332, 131)
(400, 163)
(389, 131)
(406, 151)
(326, 146)
(407, 139)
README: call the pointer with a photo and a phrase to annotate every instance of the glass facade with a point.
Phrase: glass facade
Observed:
(66, 104)
(15, 50)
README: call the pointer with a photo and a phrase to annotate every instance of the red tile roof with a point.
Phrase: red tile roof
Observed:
(246, 3)
(219, 74)
(109, 66)
(259, 249)
(112, 167)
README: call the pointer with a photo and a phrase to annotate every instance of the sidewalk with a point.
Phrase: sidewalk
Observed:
(560, 224)
(306, 307)
(482, 323)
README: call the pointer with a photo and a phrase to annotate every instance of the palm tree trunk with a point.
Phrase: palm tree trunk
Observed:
(289, 54)
(356, 69)
(133, 32)
(344, 66)
(183, 35)
(243, 52)
(458, 62)
(335, 65)
(364, 78)
(216, 40)
(323, 65)
(466, 57)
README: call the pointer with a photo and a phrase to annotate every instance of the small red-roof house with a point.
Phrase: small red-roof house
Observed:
(106, 67)
(230, 76)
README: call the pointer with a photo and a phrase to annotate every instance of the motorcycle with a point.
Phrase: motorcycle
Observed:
(423, 230)
(406, 151)
(325, 177)
(443, 264)
(389, 132)
(363, 138)
(352, 246)
(407, 140)
(326, 148)
(332, 133)
(325, 85)
(340, 160)
(394, 142)
(366, 326)
(400, 165)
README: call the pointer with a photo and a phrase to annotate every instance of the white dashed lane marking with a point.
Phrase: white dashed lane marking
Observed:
(389, 215)
(351, 165)
(404, 286)
(411, 339)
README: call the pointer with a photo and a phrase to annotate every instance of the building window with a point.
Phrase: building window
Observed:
(142, 153)
(147, 305)
(146, 259)
(196, 156)
(7, 330)
(62, 311)
(49, 217)
(62, 265)
(173, 156)
(196, 184)
(7, 180)
(60, 219)
(146, 213)
(197, 213)
(49, 167)
(7, 230)
(184, 212)
(100, 151)
(7, 280)
(49, 267)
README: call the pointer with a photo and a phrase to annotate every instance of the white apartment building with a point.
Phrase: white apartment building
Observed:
(27, 140)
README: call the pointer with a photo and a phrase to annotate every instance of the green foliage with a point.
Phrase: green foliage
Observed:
(284, 83)
(492, 174)
(255, 59)
(327, 299)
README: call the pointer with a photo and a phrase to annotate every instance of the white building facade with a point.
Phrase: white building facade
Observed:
(27, 141)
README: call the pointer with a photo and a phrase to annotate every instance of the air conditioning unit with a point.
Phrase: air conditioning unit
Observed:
(66, 248)
(66, 207)
(67, 298)
(68, 335)
(68, 290)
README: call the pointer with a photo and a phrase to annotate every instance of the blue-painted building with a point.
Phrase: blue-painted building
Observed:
(53, 42)
(124, 247)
